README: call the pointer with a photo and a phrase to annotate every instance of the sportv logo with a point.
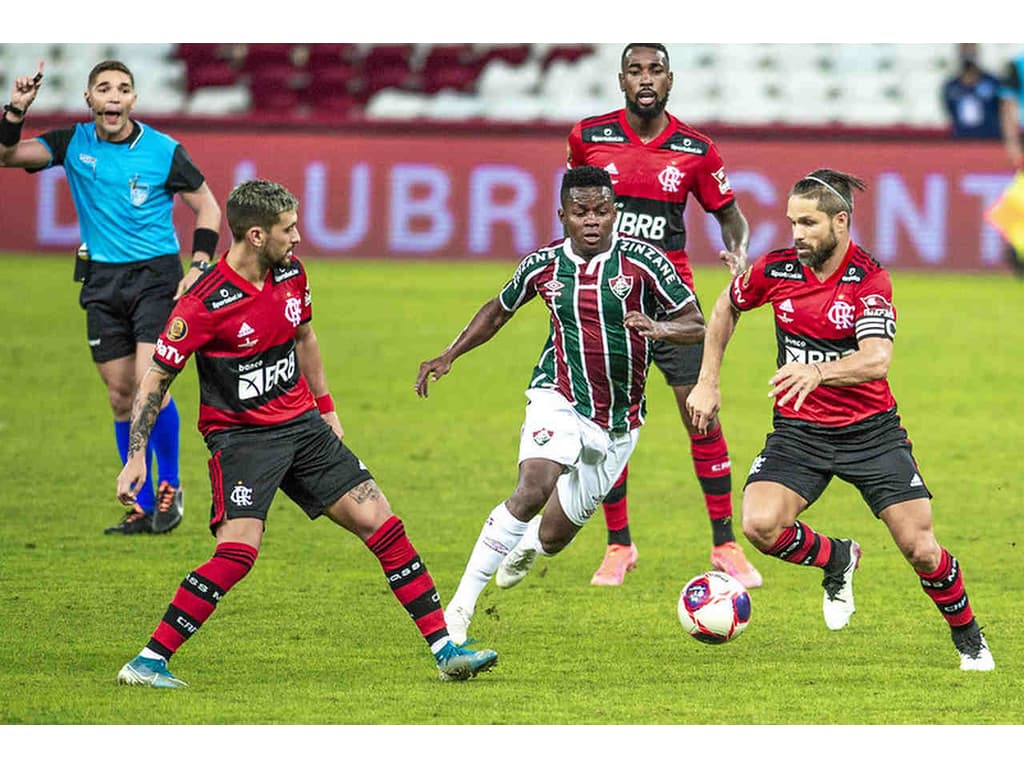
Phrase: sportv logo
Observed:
(264, 379)
(169, 353)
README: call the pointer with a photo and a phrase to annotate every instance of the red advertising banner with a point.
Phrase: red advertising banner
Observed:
(493, 195)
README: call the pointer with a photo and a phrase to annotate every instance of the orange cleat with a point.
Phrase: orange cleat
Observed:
(619, 559)
(729, 557)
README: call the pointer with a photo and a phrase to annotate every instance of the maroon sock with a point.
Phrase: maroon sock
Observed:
(408, 578)
(199, 594)
(945, 586)
(800, 544)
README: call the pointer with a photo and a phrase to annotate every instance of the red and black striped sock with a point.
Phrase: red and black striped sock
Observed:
(945, 586)
(409, 580)
(800, 544)
(710, 455)
(199, 594)
(616, 511)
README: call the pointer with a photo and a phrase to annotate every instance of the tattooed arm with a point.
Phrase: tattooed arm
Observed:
(148, 399)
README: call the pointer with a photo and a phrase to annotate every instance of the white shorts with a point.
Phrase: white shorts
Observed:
(592, 457)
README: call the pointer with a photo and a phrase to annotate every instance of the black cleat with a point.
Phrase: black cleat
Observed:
(170, 508)
(136, 521)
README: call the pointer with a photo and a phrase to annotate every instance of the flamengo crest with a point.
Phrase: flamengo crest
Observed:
(621, 285)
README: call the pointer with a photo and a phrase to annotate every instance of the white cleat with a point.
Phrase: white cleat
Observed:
(974, 653)
(516, 565)
(837, 605)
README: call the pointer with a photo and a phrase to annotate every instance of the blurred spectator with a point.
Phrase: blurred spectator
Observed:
(972, 98)
(1012, 96)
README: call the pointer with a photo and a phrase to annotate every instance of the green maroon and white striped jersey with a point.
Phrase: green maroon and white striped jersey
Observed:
(591, 358)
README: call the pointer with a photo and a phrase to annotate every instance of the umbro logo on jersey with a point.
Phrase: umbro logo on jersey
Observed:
(245, 330)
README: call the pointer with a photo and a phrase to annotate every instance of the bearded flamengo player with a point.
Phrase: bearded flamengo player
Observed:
(835, 415)
(656, 162)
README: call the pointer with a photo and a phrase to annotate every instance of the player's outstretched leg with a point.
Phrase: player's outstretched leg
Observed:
(621, 554)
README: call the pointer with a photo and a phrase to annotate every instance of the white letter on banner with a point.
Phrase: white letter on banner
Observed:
(315, 202)
(432, 206)
(48, 231)
(484, 212)
(989, 187)
(894, 206)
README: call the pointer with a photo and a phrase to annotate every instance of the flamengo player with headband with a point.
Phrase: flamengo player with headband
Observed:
(835, 415)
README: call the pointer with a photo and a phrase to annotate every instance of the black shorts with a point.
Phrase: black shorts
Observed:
(679, 364)
(128, 303)
(873, 455)
(303, 457)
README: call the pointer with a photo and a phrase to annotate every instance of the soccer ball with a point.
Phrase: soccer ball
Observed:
(714, 607)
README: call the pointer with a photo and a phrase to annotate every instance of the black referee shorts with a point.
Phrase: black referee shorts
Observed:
(679, 364)
(303, 457)
(128, 303)
(873, 455)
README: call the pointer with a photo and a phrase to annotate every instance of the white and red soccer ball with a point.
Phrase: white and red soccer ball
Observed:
(714, 607)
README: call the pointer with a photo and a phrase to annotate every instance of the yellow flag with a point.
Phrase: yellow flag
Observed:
(1007, 215)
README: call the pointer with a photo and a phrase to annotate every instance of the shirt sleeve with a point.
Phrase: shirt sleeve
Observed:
(750, 289)
(712, 188)
(875, 315)
(187, 329)
(521, 287)
(57, 142)
(183, 176)
(574, 148)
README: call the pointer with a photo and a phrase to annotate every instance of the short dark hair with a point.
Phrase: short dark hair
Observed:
(109, 65)
(585, 176)
(655, 46)
(257, 203)
(832, 189)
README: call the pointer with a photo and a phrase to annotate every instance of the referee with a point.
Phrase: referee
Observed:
(123, 177)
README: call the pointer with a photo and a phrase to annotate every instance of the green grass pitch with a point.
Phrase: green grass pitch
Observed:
(313, 636)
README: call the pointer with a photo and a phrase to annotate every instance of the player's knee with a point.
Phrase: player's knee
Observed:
(761, 527)
(922, 552)
(527, 500)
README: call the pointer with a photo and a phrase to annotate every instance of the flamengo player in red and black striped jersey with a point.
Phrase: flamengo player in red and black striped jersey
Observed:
(656, 163)
(585, 399)
(835, 415)
(269, 422)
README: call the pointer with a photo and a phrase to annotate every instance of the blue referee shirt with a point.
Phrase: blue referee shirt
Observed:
(123, 191)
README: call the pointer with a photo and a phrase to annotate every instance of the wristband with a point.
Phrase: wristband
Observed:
(202, 266)
(821, 376)
(16, 111)
(325, 403)
(10, 133)
(205, 240)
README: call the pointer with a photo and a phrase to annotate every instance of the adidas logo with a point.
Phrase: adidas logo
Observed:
(786, 306)
(611, 168)
(245, 330)
(916, 481)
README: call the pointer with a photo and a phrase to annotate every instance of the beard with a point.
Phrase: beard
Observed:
(647, 113)
(818, 256)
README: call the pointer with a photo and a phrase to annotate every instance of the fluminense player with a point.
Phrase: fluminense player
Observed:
(835, 415)
(270, 422)
(585, 399)
(123, 176)
(657, 163)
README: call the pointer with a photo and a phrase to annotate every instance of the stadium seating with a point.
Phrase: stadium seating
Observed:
(855, 85)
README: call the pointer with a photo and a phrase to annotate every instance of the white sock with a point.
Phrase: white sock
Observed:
(499, 535)
(146, 653)
(531, 539)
